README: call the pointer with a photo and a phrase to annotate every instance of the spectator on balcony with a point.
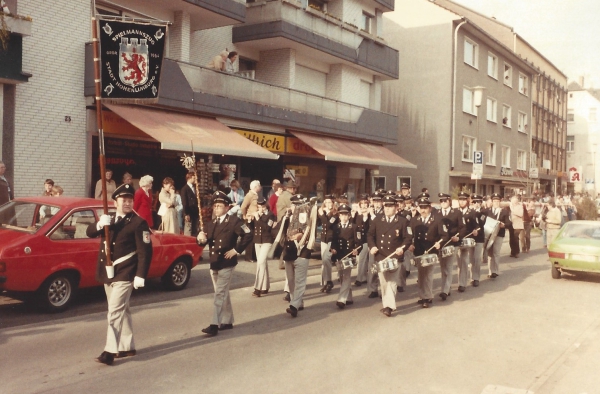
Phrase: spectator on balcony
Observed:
(218, 62)
(231, 58)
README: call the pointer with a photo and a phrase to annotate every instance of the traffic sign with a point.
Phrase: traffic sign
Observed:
(478, 157)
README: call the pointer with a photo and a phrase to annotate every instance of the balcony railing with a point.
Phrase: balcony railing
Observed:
(238, 87)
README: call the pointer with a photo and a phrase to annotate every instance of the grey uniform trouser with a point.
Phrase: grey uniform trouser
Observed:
(363, 264)
(345, 288)
(262, 268)
(425, 282)
(465, 257)
(387, 279)
(446, 266)
(404, 268)
(477, 260)
(223, 312)
(372, 277)
(119, 336)
(494, 256)
(295, 272)
(326, 268)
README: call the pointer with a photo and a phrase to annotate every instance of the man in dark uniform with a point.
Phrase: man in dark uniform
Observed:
(405, 190)
(471, 227)
(264, 224)
(328, 219)
(429, 232)
(375, 210)
(361, 220)
(503, 216)
(452, 220)
(189, 201)
(345, 242)
(222, 236)
(404, 270)
(479, 239)
(131, 254)
(389, 234)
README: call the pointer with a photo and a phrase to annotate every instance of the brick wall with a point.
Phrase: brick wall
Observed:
(179, 37)
(46, 146)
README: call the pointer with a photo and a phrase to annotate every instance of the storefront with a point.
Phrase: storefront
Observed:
(507, 182)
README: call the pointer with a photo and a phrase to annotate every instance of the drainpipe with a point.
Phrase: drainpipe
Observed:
(454, 94)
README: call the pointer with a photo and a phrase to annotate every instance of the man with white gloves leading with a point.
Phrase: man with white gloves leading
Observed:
(131, 254)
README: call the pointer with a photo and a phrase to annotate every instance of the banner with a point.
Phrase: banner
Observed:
(131, 57)
(574, 175)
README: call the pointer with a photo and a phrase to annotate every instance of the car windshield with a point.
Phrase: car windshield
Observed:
(582, 231)
(25, 216)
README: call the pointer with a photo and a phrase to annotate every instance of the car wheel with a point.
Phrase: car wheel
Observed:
(57, 292)
(178, 275)
(555, 272)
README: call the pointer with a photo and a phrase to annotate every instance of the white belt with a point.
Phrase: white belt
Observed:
(126, 257)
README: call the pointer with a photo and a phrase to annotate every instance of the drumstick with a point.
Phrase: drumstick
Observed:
(450, 239)
(354, 250)
(401, 247)
(427, 251)
(477, 229)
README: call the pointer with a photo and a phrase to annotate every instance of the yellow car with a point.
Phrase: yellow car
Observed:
(576, 248)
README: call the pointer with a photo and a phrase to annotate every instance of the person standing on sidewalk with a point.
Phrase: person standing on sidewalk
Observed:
(553, 221)
(131, 254)
(525, 239)
(517, 219)
(248, 208)
(221, 234)
(264, 223)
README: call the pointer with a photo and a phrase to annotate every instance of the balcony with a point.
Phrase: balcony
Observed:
(11, 57)
(306, 30)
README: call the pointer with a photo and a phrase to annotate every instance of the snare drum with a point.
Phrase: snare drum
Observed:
(348, 262)
(426, 260)
(467, 243)
(447, 251)
(389, 264)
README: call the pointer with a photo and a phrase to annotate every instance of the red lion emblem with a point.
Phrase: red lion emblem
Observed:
(136, 66)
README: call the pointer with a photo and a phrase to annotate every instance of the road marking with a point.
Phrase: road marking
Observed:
(495, 389)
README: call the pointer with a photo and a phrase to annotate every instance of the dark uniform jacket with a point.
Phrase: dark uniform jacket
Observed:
(189, 202)
(453, 223)
(427, 232)
(362, 226)
(6, 192)
(290, 250)
(264, 228)
(130, 234)
(470, 222)
(345, 240)
(503, 216)
(406, 214)
(387, 237)
(328, 221)
(222, 237)
(481, 216)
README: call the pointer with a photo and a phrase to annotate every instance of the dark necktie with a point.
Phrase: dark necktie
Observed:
(119, 218)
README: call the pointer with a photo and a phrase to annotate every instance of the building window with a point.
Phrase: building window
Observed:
(521, 160)
(468, 101)
(471, 53)
(492, 66)
(492, 110)
(592, 114)
(522, 126)
(469, 146)
(378, 182)
(570, 143)
(366, 22)
(505, 156)
(506, 115)
(507, 75)
(247, 68)
(317, 4)
(523, 83)
(570, 116)
(491, 154)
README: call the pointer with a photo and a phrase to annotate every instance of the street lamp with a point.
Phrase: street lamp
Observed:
(477, 99)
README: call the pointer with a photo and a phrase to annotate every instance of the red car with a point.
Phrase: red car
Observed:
(44, 250)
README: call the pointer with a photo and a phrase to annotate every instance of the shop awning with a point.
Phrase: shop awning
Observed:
(176, 131)
(348, 151)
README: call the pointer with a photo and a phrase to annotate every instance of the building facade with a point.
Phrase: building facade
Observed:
(446, 61)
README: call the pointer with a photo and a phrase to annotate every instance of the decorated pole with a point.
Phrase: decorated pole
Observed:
(189, 162)
(102, 156)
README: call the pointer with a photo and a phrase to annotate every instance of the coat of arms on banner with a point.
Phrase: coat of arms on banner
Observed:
(133, 61)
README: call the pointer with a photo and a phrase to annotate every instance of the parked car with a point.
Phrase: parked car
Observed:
(45, 252)
(576, 248)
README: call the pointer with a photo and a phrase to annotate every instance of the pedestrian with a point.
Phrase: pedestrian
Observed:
(502, 215)
(221, 234)
(264, 224)
(543, 224)
(328, 219)
(248, 208)
(345, 242)
(179, 209)
(142, 201)
(277, 189)
(131, 254)
(218, 62)
(111, 186)
(272, 191)
(6, 193)
(517, 219)
(236, 195)
(128, 180)
(553, 221)
(48, 183)
(528, 213)
(190, 205)
(229, 63)
(168, 209)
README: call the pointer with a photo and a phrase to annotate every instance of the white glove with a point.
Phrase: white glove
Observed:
(105, 220)
(138, 282)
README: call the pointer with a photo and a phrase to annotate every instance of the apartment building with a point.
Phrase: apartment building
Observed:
(460, 90)
(305, 97)
(583, 130)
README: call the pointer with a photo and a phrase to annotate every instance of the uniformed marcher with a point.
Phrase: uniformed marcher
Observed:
(471, 225)
(264, 223)
(389, 234)
(479, 239)
(328, 218)
(346, 240)
(428, 232)
(221, 234)
(404, 270)
(131, 254)
(374, 210)
(503, 216)
(361, 220)
(452, 220)
(405, 190)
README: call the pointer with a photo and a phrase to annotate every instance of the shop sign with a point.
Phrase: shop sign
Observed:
(505, 171)
(299, 170)
(574, 174)
(534, 173)
(271, 142)
(295, 146)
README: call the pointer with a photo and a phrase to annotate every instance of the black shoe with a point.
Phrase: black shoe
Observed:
(256, 293)
(226, 327)
(420, 302)
(301, 308)
(292, 311)
(264, 292)
(443, 296)
(106, 358)
(211, 330)
(349, 302)
(400, 289)
(126, 353)
(514, 256)
(287, 297)
(427, 303)
(340, 305)
(358, 283)
(461, 289)
(475, 283)
(406, 273)
(328, 287)
(386, 311)
(323, 288)
(493, 276)
(373, 294)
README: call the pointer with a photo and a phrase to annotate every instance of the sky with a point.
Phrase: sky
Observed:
(566, 32)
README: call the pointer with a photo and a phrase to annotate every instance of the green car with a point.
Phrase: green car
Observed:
(576, 248)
